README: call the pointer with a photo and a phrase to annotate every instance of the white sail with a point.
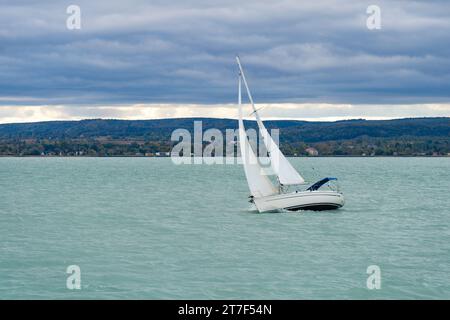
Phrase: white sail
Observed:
(287, 175)
(258, 183)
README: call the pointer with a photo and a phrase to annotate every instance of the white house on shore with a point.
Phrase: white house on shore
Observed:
(312, 151)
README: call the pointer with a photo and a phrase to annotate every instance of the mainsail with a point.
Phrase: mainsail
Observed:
(258, 183)
(287, 175)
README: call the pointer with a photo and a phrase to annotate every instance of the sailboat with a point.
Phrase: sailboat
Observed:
(292, 192)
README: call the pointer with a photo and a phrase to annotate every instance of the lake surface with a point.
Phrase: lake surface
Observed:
(146, 228)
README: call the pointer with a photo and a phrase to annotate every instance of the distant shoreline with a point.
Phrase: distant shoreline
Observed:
(411, 137)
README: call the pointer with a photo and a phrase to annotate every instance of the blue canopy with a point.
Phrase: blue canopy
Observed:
(320, 183)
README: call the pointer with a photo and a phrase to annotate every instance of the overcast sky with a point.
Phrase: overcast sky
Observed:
(306, 59)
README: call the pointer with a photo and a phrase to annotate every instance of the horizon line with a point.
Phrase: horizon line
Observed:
(229, 118)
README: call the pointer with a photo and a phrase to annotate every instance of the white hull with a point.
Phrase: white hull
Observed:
(304, 200)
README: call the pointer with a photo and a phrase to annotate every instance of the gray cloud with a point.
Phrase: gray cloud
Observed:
(183, 52)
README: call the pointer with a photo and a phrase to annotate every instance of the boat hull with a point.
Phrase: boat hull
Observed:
(305, 200)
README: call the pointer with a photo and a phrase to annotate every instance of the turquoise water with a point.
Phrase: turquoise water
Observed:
(146, 228)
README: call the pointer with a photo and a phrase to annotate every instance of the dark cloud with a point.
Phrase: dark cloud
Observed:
(183, 52)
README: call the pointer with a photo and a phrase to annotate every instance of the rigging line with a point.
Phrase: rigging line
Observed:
(256, 110)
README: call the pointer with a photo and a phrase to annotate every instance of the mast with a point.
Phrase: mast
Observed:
(259, 184)
(239, 93)
(249, 94)
(286, 174)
